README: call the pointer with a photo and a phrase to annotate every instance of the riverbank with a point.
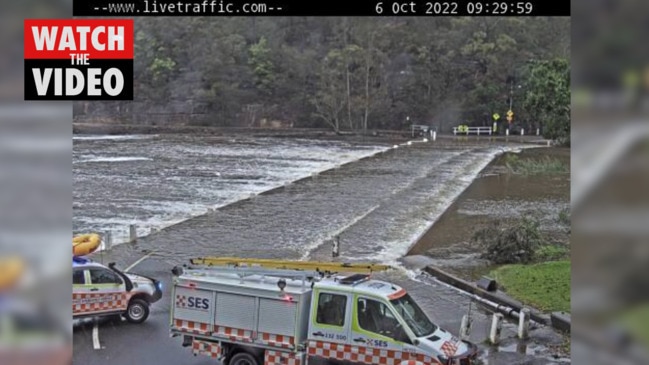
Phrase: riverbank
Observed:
(535, 184)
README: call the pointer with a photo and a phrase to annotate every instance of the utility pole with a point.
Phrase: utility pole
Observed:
(511, 95)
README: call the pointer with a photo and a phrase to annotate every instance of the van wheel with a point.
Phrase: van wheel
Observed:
(137, 311)
(243, 358)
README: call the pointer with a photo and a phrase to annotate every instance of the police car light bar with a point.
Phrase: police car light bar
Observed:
(80, 260)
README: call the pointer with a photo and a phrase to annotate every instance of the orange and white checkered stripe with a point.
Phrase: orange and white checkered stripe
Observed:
(283, 358)
(233, 334)
(98, 302)
(449, 348)
(210, 349)
(287, 342)
(198, 328)
(366, 355)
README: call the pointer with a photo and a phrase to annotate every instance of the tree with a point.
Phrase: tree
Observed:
(547, 97)
(262, 65)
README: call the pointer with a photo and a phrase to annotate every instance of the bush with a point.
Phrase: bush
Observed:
(564, 217)
(552, 253)
(546, 165)
(513, 244)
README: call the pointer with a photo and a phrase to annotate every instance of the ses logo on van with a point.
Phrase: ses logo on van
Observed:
(194, 303)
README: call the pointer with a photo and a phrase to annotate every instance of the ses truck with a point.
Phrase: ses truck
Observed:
(260, 316)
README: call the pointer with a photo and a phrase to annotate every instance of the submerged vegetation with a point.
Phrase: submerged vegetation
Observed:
(510, 244)
(529, 166)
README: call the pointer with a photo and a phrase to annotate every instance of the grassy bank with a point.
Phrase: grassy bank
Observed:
(545, 286)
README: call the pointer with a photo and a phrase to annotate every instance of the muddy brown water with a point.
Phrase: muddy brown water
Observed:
(497, 195)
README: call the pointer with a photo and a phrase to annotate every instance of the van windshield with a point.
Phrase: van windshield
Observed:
(415, 318)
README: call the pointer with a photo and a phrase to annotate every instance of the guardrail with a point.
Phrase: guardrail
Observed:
(472, 130)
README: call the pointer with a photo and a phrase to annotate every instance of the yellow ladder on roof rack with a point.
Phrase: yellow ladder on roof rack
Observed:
(331, 267)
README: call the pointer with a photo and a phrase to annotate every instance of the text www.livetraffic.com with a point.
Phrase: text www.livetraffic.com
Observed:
(205, 7)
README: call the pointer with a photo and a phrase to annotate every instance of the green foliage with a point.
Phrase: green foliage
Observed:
(535, 166)
(547, 97)
(510, 244)
(262, 65)
(545, 286)
(564, 217)
(552, 253)
(342, 73)
(161, 67)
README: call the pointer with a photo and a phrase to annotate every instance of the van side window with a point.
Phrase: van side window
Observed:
(78, 278)
(374, 316)
(331, 309)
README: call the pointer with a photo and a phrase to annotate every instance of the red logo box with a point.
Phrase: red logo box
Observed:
(78, 59)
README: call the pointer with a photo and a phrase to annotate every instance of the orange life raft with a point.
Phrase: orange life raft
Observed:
(85, 244)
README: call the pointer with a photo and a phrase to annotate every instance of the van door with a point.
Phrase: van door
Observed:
(330, 318)
(375, 329)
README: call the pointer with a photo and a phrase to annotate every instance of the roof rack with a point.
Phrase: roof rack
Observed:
(307, 272)
(320, 267)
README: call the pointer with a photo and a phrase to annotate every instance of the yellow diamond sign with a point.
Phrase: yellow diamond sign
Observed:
(496, 116)
(510, 113)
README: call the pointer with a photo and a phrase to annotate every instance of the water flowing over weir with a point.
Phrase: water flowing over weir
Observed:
(288, 199)
(377, 206)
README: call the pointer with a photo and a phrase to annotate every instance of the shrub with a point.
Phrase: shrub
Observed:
(512, 244)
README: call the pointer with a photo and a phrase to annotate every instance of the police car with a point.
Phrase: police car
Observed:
(98, 290)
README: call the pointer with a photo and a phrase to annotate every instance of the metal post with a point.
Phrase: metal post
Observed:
(434, 135)
(496, 327)
(465, 328)
(511, 95)
(108, 240)
(132, 233)
(524, 324)
(522, 131)
(538, 131)
(336, 247)
(507, 132)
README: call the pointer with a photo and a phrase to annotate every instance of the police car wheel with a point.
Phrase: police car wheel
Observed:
(137, 311)
(243, 358)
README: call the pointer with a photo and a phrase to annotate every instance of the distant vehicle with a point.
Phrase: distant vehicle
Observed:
(283, 315)
(98, 290)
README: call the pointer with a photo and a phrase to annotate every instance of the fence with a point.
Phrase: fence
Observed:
(472, 130)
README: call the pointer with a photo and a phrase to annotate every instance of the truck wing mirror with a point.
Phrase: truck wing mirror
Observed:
(177, 271)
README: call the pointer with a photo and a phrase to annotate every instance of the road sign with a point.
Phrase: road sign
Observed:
(510, 113)
(496, 116)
